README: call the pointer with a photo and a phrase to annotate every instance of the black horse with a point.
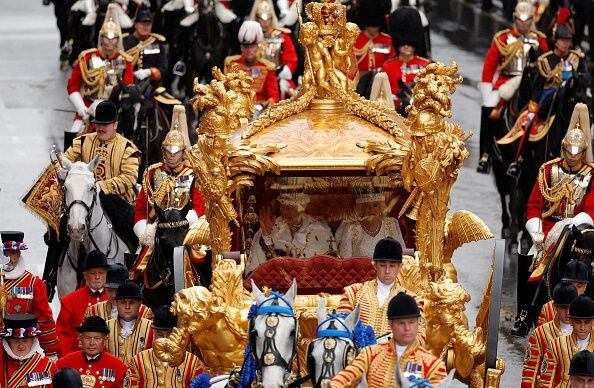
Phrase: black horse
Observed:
(159, 283)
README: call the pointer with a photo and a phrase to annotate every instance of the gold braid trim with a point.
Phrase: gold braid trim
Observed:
(134, 52)
(508, 51)
(94, 80)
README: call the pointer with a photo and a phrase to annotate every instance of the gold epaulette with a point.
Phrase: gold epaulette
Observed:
(269, 64)
(502, 32)
(84, 53)
(229, 60)
(125, 35)
(542, 63)
(578, 52)
(125, 56)
(280, 30)
(544, 166)
(159, 37)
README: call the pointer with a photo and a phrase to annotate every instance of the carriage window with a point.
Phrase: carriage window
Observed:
(302, 217)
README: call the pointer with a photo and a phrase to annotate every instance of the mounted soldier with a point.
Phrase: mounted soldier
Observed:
(97, 73)
(165, 185)
(277, 46)
(559, 70)
(508, 56)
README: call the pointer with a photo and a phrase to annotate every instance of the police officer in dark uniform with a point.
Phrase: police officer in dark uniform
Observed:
(581, 370)
(146, 48)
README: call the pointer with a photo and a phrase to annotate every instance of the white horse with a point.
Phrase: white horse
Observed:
(334, 348)
(272, 337)
(87, 223)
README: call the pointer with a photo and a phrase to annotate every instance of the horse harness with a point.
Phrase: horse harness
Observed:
(270, 354)
(330, 337)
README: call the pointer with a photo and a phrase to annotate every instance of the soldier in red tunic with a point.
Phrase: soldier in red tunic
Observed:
(507, 57)
(95, 74)
(74, 305)
(277, 46)
(97, 368)
(406, 29)
(28, 293)
(23, 364)
(373, 47)
(262, 70)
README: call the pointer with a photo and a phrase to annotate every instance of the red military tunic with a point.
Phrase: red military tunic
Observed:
(105, 372)
(72, 313)
(28, 295)
(33, 372)
(582, 203)
(84, 66)
(495, 57)
(372, 53)
(407, 72)
(264, 77)
(379, 362)
(535, 352)
(140, 210)
(547, 313)
(554, 371)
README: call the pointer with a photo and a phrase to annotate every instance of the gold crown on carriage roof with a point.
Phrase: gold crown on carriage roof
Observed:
(111, 26)
(328, 15)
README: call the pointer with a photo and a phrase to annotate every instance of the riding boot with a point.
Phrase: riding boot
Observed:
(68, 138)
(486, 138)
(524, 296)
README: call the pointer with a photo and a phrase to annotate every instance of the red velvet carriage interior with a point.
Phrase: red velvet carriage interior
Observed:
(314, 275)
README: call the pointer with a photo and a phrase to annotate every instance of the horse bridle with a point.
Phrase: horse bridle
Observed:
(89, 209)
(270, 355)
(331, 336)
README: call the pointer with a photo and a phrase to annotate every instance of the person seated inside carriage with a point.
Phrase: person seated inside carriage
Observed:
(359, 237)
(293, 233)
(146, 49)
(562, 194)
(277, 46)
(403, 351)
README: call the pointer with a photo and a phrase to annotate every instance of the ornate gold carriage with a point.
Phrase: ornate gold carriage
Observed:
(328, 142)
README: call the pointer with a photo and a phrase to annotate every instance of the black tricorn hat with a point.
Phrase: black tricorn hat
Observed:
(93, 324)
(576, 271)
(95, 259)
(143, 15)
(128, 290)
(20, 326)
(67, 378)
(388, 249)
(406, 28)
(563, 293)
(403, 306)
(582, 307)
(372, 13)
(116, 275)
(164, 319)
(106, 113)
(582, 364)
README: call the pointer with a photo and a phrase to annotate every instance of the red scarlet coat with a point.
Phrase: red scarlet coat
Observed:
(15, 373)
(117, 373)
(372, 53)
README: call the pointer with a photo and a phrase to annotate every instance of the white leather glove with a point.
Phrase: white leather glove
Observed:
(189, 6)
(192, 216)
(485, 88)
(582, 218)
(139, 228)
(141, 74)
(285, 73)
(78, 103)
(534, 228)
(283, 7)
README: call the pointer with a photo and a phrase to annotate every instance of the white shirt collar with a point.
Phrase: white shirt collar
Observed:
(583, 344)
(127, 327)
(400, 349)
(566, 328)
(35, 349)
(383, 292)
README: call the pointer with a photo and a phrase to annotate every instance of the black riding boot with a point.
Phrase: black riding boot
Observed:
(56, 250)
(524, 319)
(486, 138)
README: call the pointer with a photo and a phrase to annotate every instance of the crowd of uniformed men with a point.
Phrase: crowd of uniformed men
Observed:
(103, 334)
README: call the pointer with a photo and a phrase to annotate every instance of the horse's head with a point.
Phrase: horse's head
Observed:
(334, 347)
(172, 227)
(272, 336)
(80, 196)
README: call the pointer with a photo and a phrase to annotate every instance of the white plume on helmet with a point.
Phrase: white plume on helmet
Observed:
(250, 32)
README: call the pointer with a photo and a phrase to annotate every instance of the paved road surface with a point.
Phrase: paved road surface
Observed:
(32, 87)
